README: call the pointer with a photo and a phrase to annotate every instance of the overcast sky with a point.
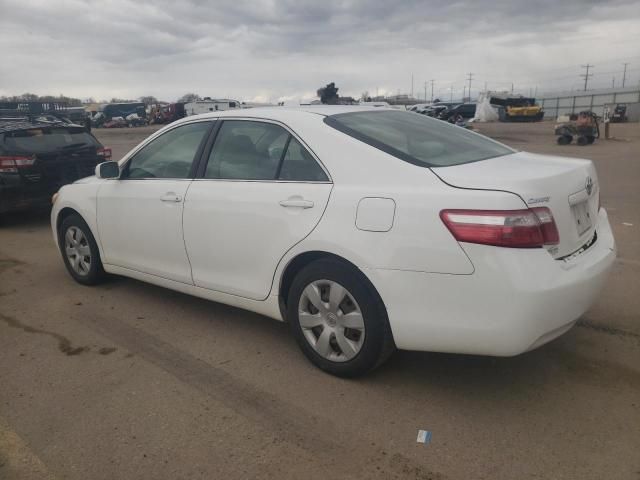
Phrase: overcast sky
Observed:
(265, 50)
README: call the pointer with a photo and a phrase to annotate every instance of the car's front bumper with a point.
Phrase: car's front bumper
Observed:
(516, 300)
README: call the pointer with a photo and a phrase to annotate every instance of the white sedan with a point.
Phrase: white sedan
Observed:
(364, 228)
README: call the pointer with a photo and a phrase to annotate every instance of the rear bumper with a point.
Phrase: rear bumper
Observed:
(516, 299)
(18, 196)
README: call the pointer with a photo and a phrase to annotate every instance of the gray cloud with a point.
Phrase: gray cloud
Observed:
(272, 49)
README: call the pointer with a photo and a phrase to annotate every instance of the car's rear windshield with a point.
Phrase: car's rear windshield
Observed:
(47, 139)
(416, 138)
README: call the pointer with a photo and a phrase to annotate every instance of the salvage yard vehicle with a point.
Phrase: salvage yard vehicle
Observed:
(366, 229)
(584, 126)
(37, 157)
(516, 108)
(464, 110)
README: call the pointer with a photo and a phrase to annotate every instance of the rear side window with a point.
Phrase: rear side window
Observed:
(249, 150)
(246, 150)
(417, 139)
(46, 140)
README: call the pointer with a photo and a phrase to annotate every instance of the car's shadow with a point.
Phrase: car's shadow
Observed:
(487, 378)
(27, 218)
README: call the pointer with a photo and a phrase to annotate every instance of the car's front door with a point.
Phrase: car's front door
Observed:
(140, 214)
(261, 192)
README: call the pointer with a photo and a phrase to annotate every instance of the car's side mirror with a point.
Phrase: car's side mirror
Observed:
(108, 170)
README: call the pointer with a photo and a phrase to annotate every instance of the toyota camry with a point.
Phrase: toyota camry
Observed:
(365, 229)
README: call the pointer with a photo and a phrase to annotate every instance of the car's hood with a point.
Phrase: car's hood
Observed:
(91, 179)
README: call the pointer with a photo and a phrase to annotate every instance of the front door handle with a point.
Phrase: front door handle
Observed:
(171, 197)
(296, 202)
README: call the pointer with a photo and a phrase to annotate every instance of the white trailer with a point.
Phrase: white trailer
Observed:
(210, 105)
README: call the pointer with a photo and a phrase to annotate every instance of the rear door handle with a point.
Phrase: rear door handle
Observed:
(171, 197)
(296, 202)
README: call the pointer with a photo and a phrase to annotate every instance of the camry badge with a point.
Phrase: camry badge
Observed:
(589, 185)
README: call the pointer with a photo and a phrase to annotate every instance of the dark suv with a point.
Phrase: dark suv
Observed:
(465, 110)
(38, 156)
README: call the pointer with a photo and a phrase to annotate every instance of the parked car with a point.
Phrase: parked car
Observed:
(37, 157)
(434, 110)
(464, 110)
(366, 229)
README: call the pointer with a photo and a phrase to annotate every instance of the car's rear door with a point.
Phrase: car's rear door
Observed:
(140, 214)
(261, 191)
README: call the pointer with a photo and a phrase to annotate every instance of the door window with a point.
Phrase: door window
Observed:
(246, 150)
(170, 155)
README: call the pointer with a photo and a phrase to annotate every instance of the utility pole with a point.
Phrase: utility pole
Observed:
(624, 74)
(470, 78)
(432, 82)
(412, 85)
(425, 92)
(451, 91)
(511, 88)
(613, 82)
(586, 75)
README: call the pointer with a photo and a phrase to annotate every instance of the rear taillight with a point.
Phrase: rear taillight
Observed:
(527, 228)
(11, 163)
(104, 153)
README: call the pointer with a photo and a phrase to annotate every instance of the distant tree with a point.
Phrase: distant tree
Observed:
(149, 100)
(328, 94)
(189, 97)
(365, 96)
(32, 97)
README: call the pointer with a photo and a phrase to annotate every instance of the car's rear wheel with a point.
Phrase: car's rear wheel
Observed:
(338, 319)
(80, 251)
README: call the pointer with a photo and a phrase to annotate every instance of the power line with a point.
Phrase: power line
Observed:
(586, 75)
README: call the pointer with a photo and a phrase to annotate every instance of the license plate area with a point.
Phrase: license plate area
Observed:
(582, 216)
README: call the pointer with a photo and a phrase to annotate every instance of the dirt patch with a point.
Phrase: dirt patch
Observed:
(7, 263)
(607, 329)
(64, 344)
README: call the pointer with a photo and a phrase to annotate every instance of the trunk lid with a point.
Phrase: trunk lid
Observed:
(567, 186)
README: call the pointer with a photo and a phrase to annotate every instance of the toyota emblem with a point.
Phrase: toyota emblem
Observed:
(589, 185)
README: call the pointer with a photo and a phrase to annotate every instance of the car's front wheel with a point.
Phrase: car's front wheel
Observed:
(80, 251)
(338, 319)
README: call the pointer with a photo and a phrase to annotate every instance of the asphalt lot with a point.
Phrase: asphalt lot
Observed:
(127, 380)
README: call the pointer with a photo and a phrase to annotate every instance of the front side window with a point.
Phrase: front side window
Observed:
(170, 155)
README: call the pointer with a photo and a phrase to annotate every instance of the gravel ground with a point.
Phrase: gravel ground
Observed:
(127, 380)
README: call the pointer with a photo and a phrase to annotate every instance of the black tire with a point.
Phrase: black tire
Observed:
(378, 341)
(591, 139)
(564, 139)
(582, 141)
(95, 273)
